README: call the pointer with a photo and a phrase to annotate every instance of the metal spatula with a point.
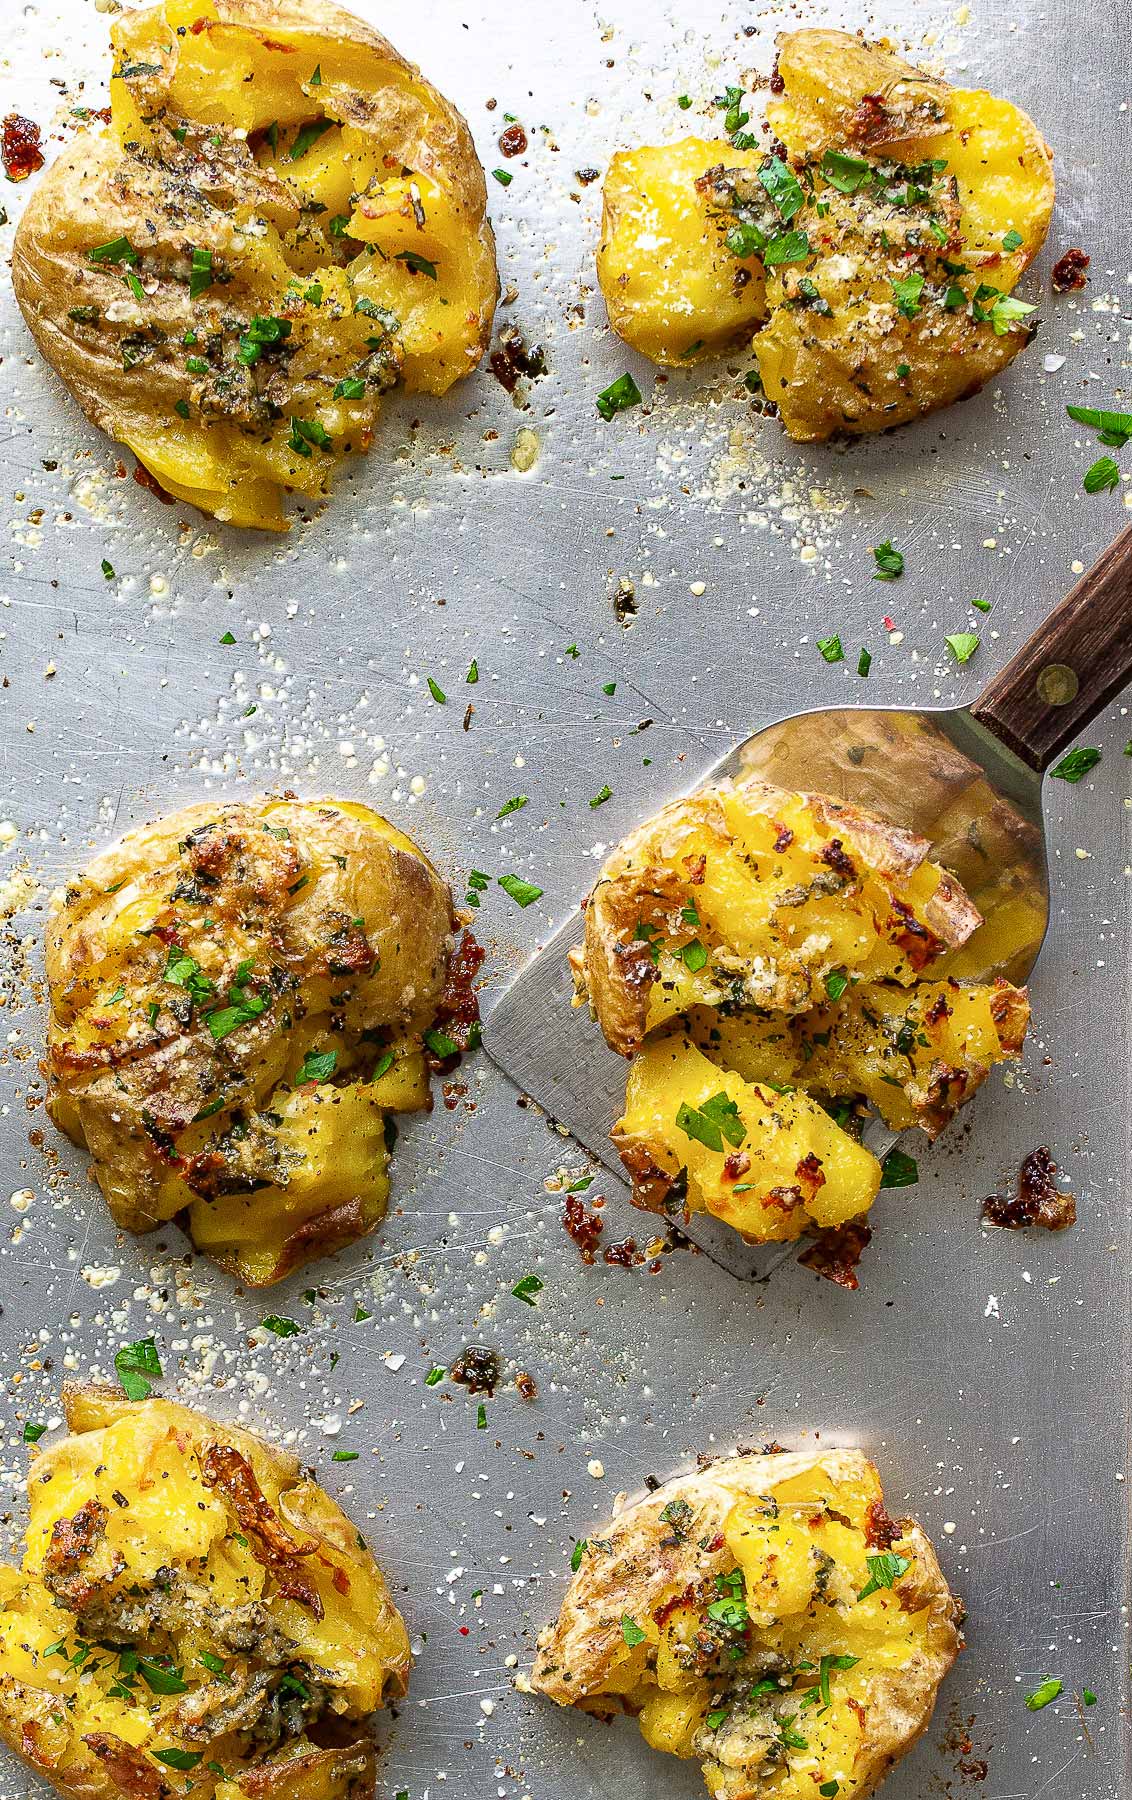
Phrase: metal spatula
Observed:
(969, 779)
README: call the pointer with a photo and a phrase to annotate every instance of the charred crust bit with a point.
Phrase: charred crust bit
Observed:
(786, 1199)
(836, 1253)
(127, 1770)
(919, 944)
(458, 1008)
(940, 1010)
(271, 1543)
(834, 854)
(696, 867)
(810, 1174)
(652, 1186)
(527, 1385)
(783, 836)
(74, 1540)
(348, 951)
(582, 1225)
(881, 1532)
(945, 1093)
(636, 967)
(736, 1165)
(1070, 272)
(20, 148)
(162, 1142)
(1039, 1200)
(144, 479)
(477, 1368)
(776, 83)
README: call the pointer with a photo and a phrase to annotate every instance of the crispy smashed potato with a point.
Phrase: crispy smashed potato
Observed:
(241, 996)
(697, 1137)
(191, 1612)
(673, 289)
(765, 1616)
(765, 958)
(281, 220)
(892, 216)
(744, 896)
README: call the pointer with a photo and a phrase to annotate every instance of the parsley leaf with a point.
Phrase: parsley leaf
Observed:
(884, 1571)
(309, 135)
(830, 648)
(889, 562)
(631, 1631)
(581, 1545)
(782, 186)
(527, 1288)
(962, 645)
(137, 1366)
(1112, 427)
(1102, 474)
(709, 1124)
(619, 396)
(317, 1065)
(1076, 763)
(280, 1327)
(515, 804)
(907, 291)
(1041, 1696)
(523, 893)
(899, 1170)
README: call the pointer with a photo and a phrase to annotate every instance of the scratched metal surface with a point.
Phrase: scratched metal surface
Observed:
(987, 1373)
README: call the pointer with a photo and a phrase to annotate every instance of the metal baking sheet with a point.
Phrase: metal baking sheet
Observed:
(986, 1372)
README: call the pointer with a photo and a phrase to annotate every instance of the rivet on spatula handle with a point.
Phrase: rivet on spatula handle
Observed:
(1072, 666)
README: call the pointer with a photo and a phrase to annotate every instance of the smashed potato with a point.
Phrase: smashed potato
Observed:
(766, 1617)
(282, 219)
(241, 996)
(764, 958)
(744, 895)
(697, 1137)
(891, 215)
(191, 1612)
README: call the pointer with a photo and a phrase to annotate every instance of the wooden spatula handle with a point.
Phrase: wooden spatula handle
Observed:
(1072, 666)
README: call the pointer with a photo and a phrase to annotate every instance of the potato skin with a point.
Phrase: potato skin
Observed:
(126, 1526)
(662, 1560)
(219, 433)
(193, 971)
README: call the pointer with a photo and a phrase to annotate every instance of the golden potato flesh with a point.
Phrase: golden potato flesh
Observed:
(746, 895)
(672, 288)
(696, 1137)
(191, 1610)
(892, 218)
(239, 999)
(281, 220)
(766, 1617)
(915, 1054)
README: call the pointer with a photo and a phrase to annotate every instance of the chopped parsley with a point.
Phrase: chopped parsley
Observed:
(884, 1571)
(308, 136)
(889, 562)
(137, 1366)
(317, 1065)
(830, 648)
(899, 1170)
(107, 569)
(304, 433)
(33, 1433)
(581, 1545)
(437, 692)
(848, 174)
(1012, 241)
(481, 1417)
(344, 1456)
(631, 1631)
(515, 804)
(1113, 428)
(503, 176)
(782, 187)
(441, 1044)
(527, 1288)
(473, 674)
(1101, 475)
(864, 661)
(1076, 764)
(280, 1327)
(435, 1376)
(907, 291)
(983, 606)
(1042, 1695)
(709, 1124)
(161, 1677)
(419, 265)
(351, 387)
(179, 1759)
(523, 893)
(200, 274)
(118, 250)
(835, 983)
(619, 396)
(600, 798)
(962, 645)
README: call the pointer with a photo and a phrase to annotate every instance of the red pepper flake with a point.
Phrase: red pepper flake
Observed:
(20, 146)
(889, 624)
(464, 1629)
